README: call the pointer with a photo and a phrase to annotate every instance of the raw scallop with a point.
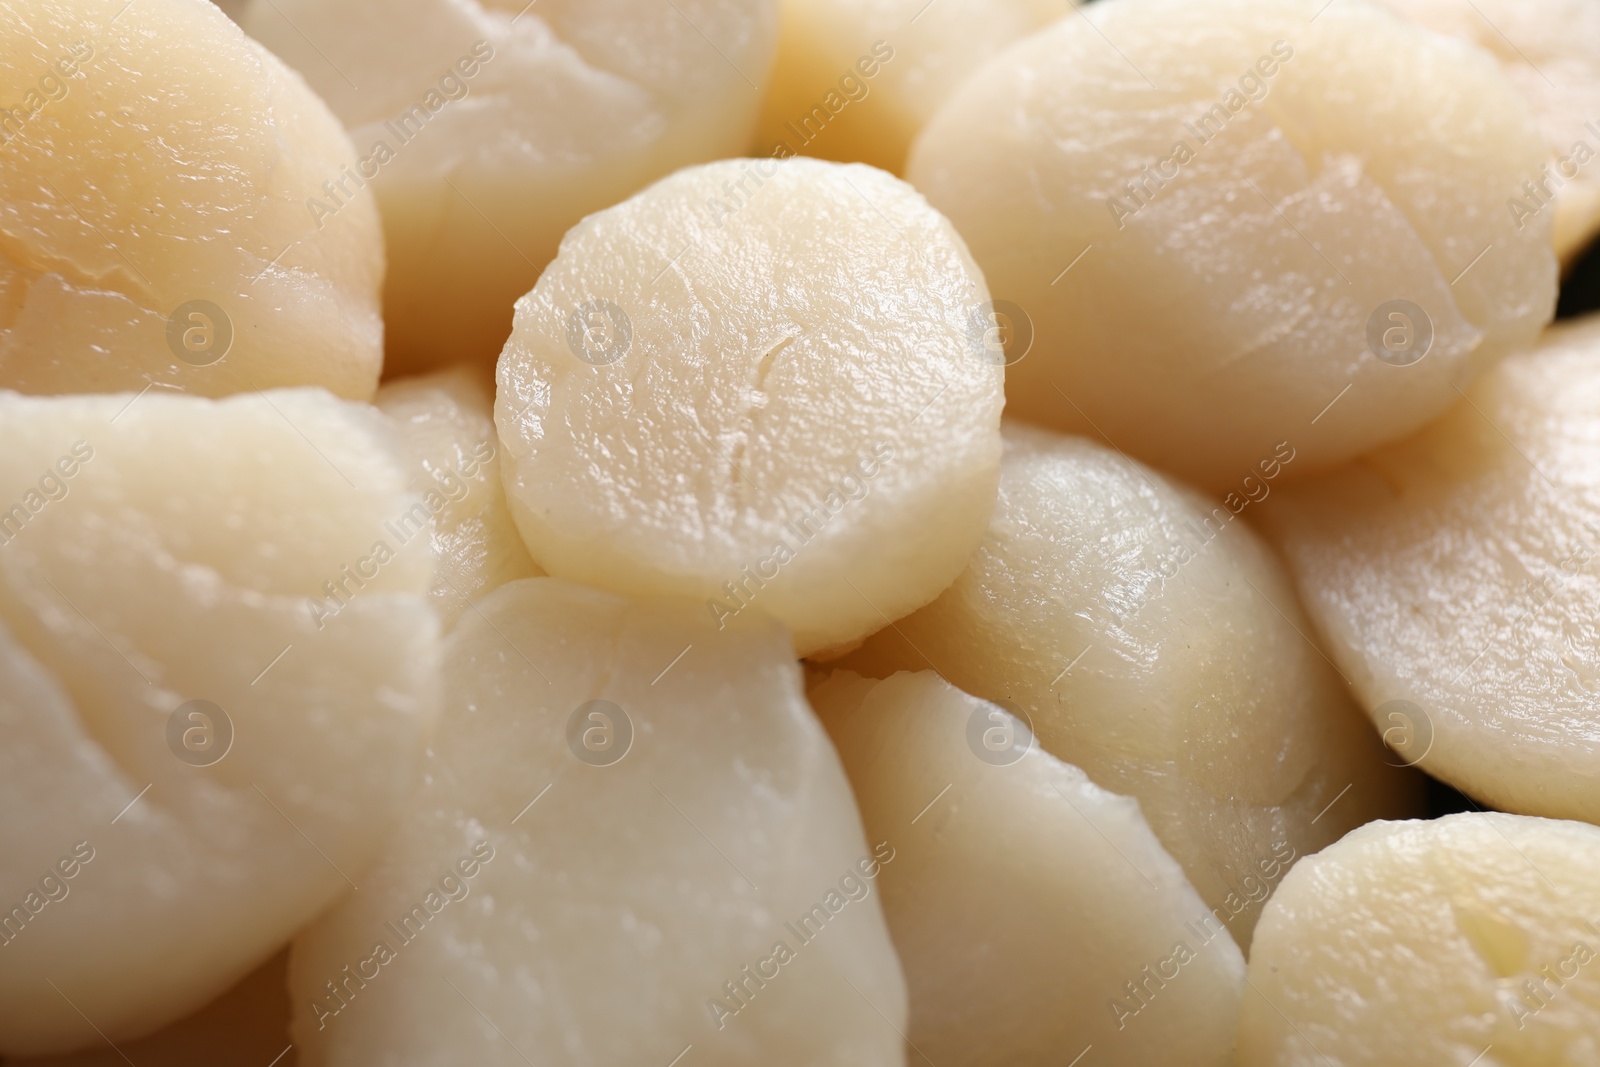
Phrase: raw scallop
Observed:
(1238, 222)
(1151, 639)
(218, 667)
(447, 420)
(1456, 577)
(489, 127)
(714, 396)
(155, 221)
(856, 79)
(1035, 913)
(1471, 939)
(1550, 50)
(624, 815)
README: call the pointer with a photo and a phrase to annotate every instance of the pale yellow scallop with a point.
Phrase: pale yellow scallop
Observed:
(1550, 50)
(1212, 211)
(447, 420)
(1036, 914)
(153, 210)
(1154, 641)
(488, 128)
(785, 400)
(1456, 578)
(624, 813)
(856, 80)
(217, 673)
(1472, 939)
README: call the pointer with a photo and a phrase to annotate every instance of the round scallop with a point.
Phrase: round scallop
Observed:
(1469, 939)
(1235, 222)
(712, 393)
(1550, 50)
(632, 838)
(1150, 638)
(856, 81)
(217, 668)
(447, 421)
(155, 229)
(1036, 914)
(488, 128)
(1454, 576)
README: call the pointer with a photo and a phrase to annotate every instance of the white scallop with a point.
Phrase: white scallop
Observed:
(1550, 50)
(623, 813)
(711, 394)
(447, 420)
(1154, 641)
(856, 80)
(1207, 207)
(489, 127)
(1036, 914)
(1469, 939)
(153, 211)
(1454, 576)
(163, 550)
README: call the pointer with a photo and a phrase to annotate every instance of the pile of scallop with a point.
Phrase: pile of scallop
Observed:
(812, 533)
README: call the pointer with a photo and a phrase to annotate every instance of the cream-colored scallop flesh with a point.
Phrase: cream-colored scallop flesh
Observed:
(1237, 222)
(855, 81)
(1550, 50)
(249, 1024)
(1153, 640)
(720, 396)
(1456, 579)
(624, 814)
(153, 211)
(218, 741)
(1035, 913)
(488, 128)
(447, 420)
(1468, 939)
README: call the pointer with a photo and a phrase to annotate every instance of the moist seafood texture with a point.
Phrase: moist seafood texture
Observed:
(153, 218)
(248, 1024)
(447, 420)
(489, 127)
(856, 79)
(1209, 257)
(624, 813)
(1550, 50)
(1151, 639)
(1454, 578)
(1469, 939)
(1035, 913)
(789, 404)
(162, 551)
